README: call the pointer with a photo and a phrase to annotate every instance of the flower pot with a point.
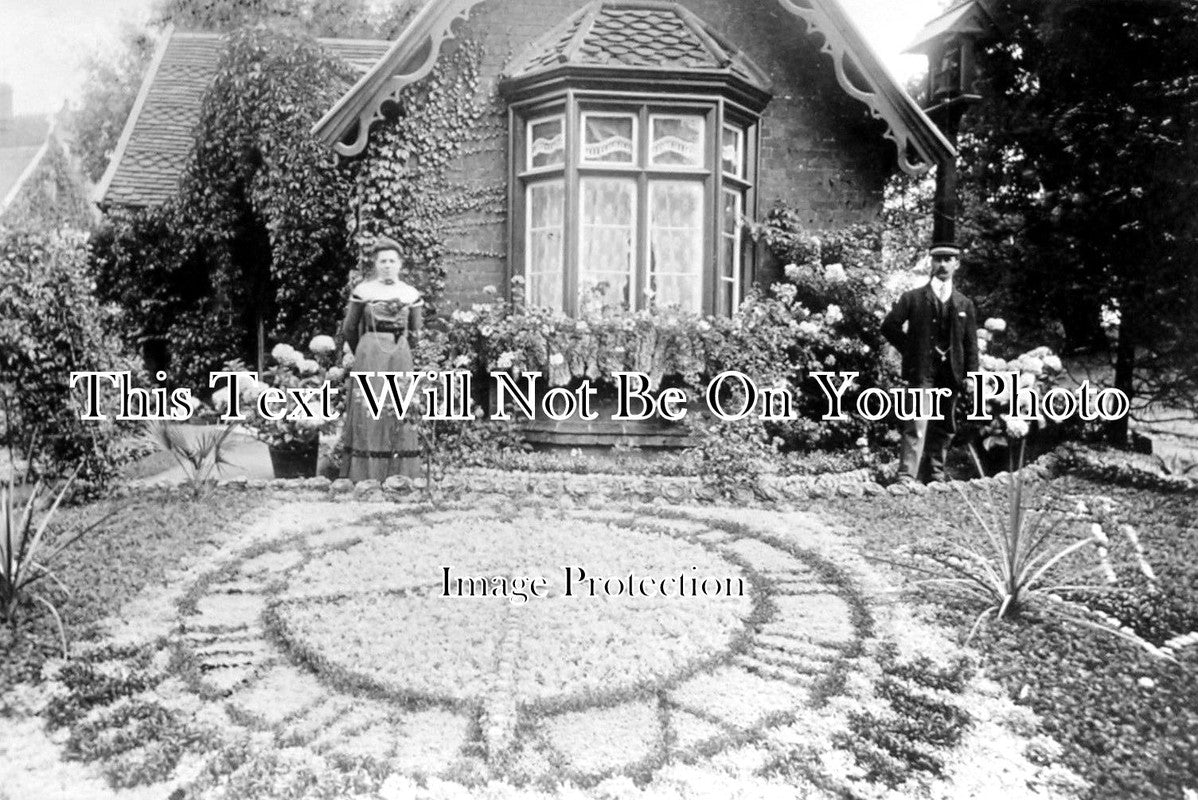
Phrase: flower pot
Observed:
(295, 462)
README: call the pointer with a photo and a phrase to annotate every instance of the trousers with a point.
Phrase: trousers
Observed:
(926, 442)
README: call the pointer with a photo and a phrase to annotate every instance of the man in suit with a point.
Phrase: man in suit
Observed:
(935, 330)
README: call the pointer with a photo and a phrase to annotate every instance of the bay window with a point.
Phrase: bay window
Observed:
(631, 202)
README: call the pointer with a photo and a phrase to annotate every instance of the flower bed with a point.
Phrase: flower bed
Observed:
(570, 650)
(1125, 719)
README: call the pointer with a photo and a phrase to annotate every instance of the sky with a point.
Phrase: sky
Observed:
(43, 42)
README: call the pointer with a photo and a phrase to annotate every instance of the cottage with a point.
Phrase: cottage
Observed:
(639, 135)
(629, 140)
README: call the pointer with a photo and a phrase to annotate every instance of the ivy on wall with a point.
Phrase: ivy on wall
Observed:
(257, 235)
(405, 186)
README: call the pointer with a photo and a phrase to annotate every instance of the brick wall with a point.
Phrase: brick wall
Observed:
(821, 151)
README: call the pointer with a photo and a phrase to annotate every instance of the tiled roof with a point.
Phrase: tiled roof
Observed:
(646, 34)
(160, 132)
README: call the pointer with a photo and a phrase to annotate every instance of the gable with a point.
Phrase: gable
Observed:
(919, 144)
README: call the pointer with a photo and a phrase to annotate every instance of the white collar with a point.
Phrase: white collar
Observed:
(943, 289)
(373, 291)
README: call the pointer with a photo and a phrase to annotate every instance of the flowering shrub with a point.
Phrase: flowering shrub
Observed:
(291, 369)
(1038, 370)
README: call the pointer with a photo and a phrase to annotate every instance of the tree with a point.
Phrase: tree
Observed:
(109, 89)
(1081, 176)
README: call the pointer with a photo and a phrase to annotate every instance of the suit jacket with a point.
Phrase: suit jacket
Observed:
(917, 308)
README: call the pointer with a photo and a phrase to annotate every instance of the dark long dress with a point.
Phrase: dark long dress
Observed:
(377, 332)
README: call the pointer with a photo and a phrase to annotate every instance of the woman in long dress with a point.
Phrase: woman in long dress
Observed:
(382, 311)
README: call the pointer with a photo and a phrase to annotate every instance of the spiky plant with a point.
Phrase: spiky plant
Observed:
(199, 459)
(1013, 563)
(29, 548)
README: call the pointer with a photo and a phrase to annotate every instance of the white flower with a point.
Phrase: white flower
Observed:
(834, 273)
(808, 328)
(285, 354)
(1031, 364)
(506, 360)
(220, 399)
(252, 390)
(791, 271)
(462, 361)
(995, 325)
(834, 315)
(983, 344)
(347, 360)
(307, 366)
(1053, 363)
(335, 374)
(1016, 427)
(1146, 683)
(466, 317)
(1110, 317)
(322, 344)
(490, 289)
(557, 359)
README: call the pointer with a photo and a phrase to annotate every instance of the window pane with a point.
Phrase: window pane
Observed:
(546, 143)
(543, 254)
(732, 151)
(676, 243)
(677, 141)
(608, 138)
(731, 206)
(607, 234)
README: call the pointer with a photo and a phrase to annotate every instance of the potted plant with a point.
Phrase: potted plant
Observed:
(293, 438)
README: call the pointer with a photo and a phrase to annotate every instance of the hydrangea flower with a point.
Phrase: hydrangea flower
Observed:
(834, 273)
(335, 374)
(322, 345)
(307, 366)
(995, 325)
(1053, 363)
(220, 399)
(557, 359)
(791, 271)
(1016, 427)
(462, 361)
(284, 354)
(834, 315)
(506, 360)
(1031, 364)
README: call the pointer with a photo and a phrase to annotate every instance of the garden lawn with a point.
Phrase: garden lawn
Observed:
(136, 547)
(1128, 722)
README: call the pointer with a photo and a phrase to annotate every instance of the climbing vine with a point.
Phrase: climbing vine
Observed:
(405, 187)
(257, 235)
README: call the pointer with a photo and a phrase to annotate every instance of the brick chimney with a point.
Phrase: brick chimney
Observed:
(6, 115)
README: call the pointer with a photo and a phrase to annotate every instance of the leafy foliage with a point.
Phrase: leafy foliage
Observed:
(51, 325)
(1076, 194)
(199, 459)
(110, 88)
(27, 553)
(53, 198)
(258, 234)
(404, 187)
(112, 80)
